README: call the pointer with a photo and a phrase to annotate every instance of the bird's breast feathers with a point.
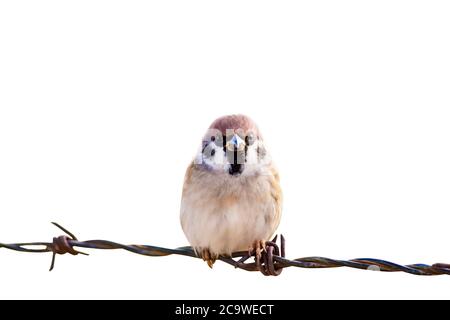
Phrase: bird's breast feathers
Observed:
(226, 214)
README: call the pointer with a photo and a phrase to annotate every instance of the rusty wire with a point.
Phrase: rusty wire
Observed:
(271, 262)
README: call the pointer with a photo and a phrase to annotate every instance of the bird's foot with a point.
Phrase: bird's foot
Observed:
(264, 253)
(257, 248)
(208, 257)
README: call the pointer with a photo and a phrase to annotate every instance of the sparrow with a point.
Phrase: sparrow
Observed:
(231, 198)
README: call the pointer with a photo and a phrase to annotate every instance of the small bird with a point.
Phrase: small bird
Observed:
(231, 199)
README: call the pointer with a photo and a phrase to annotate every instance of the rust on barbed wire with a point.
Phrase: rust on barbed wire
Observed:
(61, 245)
(272, 261)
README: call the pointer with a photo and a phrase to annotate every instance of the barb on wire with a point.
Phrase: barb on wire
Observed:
(271, 262)
(61, 245)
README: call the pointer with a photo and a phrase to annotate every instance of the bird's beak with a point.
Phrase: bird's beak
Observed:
(236, 143)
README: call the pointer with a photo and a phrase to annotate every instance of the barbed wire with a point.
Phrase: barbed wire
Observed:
(271, 261)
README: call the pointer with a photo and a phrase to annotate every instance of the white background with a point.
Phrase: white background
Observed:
(103, 103)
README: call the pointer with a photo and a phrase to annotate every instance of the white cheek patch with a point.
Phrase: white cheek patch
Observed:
(257, 159)
(252, 155)
(212, 156)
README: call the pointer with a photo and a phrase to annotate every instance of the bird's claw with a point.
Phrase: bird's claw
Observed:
(264, 252)
(257, 248)
(208, 257)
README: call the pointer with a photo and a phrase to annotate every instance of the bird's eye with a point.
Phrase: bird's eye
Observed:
(213, 138)
(249, 139)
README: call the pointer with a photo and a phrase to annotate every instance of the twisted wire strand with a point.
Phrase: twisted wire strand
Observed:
(272, 261)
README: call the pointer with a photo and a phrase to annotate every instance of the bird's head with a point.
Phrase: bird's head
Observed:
(233, 145)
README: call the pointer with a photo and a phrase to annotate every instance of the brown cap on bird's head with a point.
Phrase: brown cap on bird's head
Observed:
(235, 122)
